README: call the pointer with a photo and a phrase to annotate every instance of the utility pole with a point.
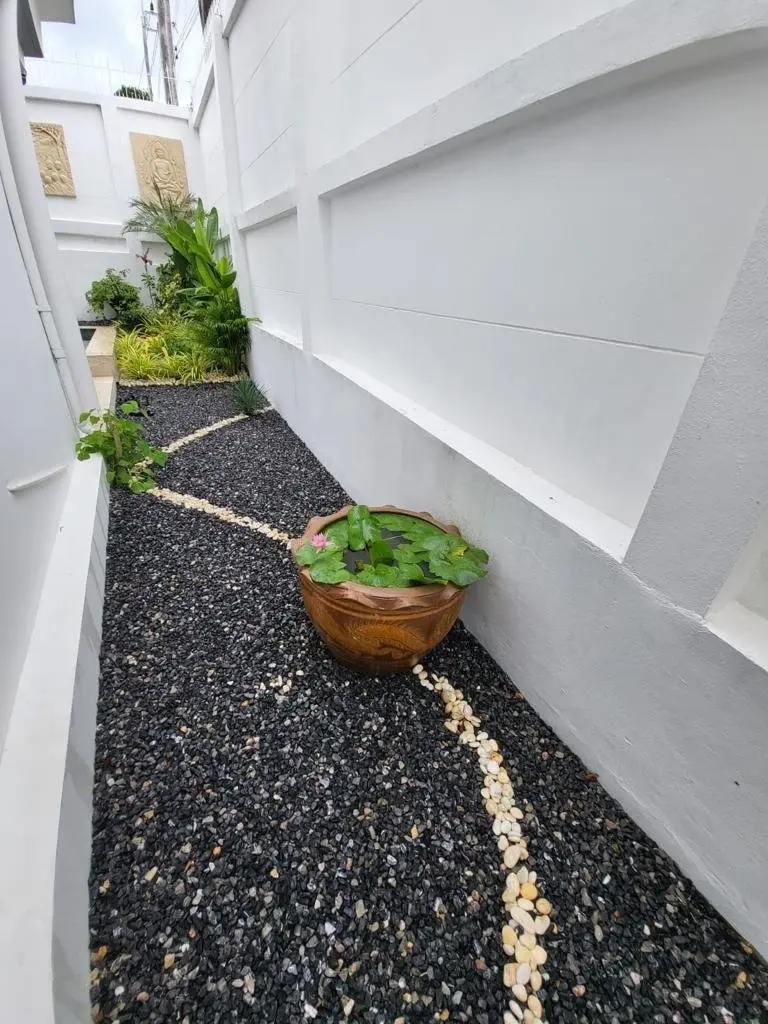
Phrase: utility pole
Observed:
(145, 30)
(167, 52)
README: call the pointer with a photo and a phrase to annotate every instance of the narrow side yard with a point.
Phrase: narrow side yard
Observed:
(279, 839)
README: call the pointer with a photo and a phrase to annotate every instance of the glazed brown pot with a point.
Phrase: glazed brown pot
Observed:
(378, 629)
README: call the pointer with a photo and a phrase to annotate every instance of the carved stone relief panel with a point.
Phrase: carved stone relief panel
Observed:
(160, 166)
(52, 159)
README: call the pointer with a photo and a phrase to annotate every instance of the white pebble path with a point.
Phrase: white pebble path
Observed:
(529, 913)
(226, 515)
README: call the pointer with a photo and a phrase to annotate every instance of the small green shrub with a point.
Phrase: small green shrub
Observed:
(114, 292)
(170, 354)
(247, 397)
(395, 551)
(169, 284)
(120, 440)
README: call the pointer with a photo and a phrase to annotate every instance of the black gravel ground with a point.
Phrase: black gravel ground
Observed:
(275, 836)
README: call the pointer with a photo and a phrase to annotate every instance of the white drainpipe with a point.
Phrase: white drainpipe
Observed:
(32, 224)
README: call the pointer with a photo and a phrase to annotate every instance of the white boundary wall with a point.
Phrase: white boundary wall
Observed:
(53, 530)
(524, 288)
(89, 227)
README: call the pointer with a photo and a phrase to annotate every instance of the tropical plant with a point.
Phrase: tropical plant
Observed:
(129, 459)
(194, 243)
(158, 216)
(114, 292)
(220, 326)
(395, 551)
(247, 397)
(133, 92)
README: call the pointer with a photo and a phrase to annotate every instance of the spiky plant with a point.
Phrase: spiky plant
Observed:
(156, 216)
(247, 397)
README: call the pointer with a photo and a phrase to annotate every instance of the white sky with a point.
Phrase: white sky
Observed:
(103, 49)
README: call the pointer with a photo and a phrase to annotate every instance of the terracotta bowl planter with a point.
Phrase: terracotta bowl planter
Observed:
(378, 629)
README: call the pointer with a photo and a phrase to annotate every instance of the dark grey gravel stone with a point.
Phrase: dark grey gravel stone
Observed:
(251, 793)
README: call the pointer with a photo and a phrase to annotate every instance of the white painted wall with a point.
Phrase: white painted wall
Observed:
(53, 524)
(34, 444)
(89, 227)
(529, 277)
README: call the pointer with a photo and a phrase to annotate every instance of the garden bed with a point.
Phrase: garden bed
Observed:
(279, 839)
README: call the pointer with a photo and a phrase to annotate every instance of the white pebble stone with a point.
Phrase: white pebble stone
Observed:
(538, 956)
(534, 1005)
(528, 939)
(522, 874)
(509, 1018)
(522, 917)
(517, 1010)
(522, 953)
(536, 980)
(417, 669)
(540, 925)
(525, 904)
(511, 856)
(513, 884)
(520, 993)
(523, 974)
(503, 843)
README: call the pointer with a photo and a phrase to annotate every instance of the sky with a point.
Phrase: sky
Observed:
(103, 49)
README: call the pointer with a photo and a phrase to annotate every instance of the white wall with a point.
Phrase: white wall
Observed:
(53, 523)
(34, 444)
(89, 227)
(518, 269)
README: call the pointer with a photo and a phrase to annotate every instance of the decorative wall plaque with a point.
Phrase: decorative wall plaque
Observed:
(52, 159)
(160, 166)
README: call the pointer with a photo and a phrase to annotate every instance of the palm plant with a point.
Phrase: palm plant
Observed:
(157, 216)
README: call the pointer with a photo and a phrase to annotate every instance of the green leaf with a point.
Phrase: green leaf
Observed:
(448, 544)
(361, 527)
(410, 553)
(379, 576)
(158, 457)
(307, 554)
(338, 532)
(380, 552)
(326, 573)
(355, 516)
(462, 571)
(409, 572)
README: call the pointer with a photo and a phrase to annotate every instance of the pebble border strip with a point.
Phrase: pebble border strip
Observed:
(202, 432)
(226, 515)
(529, 912)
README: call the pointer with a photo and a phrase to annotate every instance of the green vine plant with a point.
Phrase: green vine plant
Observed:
(128, 457)
(383, 549)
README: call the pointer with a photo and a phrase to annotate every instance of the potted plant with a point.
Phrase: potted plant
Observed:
(383, 586)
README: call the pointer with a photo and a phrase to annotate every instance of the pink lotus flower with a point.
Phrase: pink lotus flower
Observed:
(319, 541)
